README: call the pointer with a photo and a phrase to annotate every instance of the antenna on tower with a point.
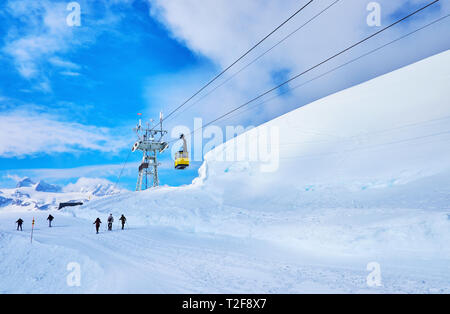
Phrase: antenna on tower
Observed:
(150, 147)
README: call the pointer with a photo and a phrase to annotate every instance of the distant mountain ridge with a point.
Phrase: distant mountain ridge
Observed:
(28, 195)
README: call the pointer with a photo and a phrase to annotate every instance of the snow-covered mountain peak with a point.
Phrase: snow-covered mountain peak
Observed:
(43, 186)
(26, 182)
(92, 186)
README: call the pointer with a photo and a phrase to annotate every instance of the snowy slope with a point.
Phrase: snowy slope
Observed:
(362, 176)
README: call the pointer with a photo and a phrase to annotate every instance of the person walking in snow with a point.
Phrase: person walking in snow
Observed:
(110, 222)
(19, 224)
(123, 220)
(97, 223)
(50, 219)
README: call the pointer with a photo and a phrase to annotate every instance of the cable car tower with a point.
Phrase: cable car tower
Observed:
(150, 142)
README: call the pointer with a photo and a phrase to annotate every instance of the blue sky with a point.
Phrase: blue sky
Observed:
(69, 96)
(106, 91)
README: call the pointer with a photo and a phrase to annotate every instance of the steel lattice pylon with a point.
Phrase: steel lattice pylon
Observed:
(150, 146)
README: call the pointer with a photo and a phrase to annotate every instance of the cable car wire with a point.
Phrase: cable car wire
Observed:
(314, 67)
(326, 73)
(236, 61)
(340, 66)
(121, 171)
(257, 58)
(223, 72)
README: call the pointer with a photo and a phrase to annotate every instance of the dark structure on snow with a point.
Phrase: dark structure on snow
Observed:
(62, 205)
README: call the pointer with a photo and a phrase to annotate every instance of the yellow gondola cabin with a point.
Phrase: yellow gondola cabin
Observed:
(182, 157)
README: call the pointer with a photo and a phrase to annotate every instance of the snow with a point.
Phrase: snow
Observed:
(43, 186)
(26, 182)
(362, 177)
(92, 186)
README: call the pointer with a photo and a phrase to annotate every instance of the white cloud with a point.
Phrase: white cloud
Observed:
(13, 177)
(26, 132)
(43, 32)
(104, 170)
(42, 35)
(58, 62)
(69, 73)
(93, 171)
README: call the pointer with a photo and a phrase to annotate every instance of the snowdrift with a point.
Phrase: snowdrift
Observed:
(363, 171)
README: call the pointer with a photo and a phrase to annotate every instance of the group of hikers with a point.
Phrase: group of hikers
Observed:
(97, 222)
